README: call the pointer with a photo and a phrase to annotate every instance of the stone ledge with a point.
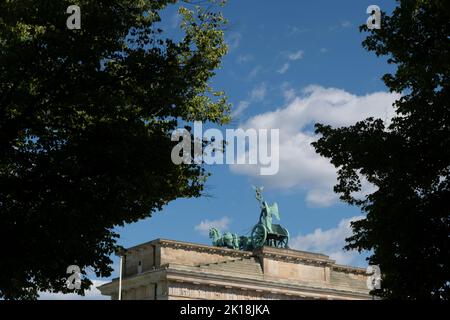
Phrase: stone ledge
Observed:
(285, 255)
(294, 256)
(204, 248)
(348, 269)
(165, 243)
(266, 285)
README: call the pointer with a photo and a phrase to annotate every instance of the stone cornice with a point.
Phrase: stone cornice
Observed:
(286, 255)
(348, 269)
(204, 248)
(196, 277)
(164, 243)
(294, 256)
(189, 274)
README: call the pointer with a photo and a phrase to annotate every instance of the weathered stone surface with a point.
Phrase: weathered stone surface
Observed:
(167, 269)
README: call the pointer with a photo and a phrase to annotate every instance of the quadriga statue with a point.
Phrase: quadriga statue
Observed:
(264, 233)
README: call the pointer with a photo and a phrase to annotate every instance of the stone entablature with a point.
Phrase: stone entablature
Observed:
(167, 269)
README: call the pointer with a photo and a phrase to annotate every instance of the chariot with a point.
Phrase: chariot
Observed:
(266, 233)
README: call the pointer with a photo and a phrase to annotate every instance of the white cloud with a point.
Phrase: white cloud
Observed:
(301, 168)
(234, 40)
(323, 50)
(346, 24)
(92, 294)
(292, 56)
(330, 242)
(242, 106)
(258, 93)
(284, 68)
(294, 30)
(244, 58)
(254, 72)
(221, 224)
(296, 55)
(287, 91)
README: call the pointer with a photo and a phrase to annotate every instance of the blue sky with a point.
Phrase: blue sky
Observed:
(291, 63)
(262, 35)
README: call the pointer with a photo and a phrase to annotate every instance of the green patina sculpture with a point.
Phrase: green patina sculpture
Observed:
(264, 233)
(228, 239)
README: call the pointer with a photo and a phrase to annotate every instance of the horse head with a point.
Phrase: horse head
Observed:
(228, 239)
(214, 234)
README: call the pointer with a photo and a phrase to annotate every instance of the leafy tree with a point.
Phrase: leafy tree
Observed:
(85, 123)
(407, 226)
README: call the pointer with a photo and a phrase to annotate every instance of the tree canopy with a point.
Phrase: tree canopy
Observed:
(407, 227)
(85, 123)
